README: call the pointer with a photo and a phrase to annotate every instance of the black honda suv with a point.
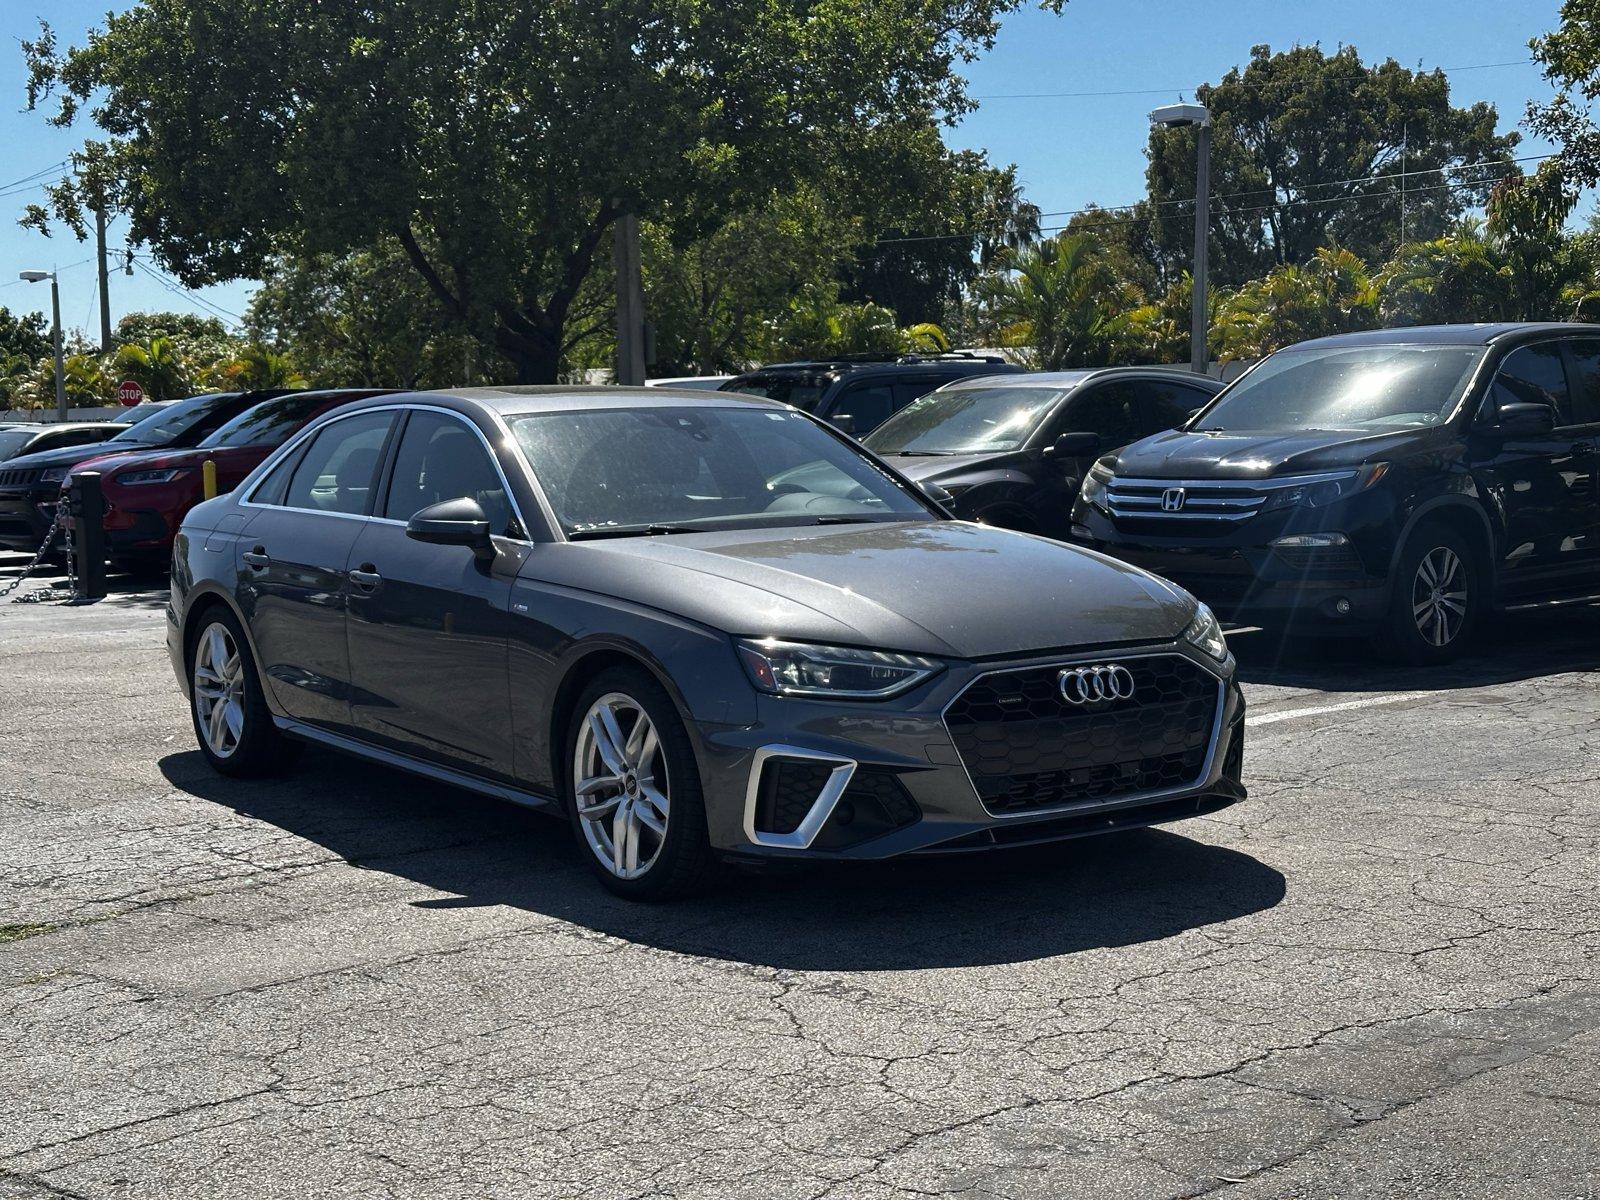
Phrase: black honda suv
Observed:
(1408, 480)
(856, 395)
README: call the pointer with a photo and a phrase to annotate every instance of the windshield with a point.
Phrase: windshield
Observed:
(803, 389)
(965, 421)
(616, 472)
(267, 424)
(1358, 388)
(175, 420)
(13, 440)
(132, 416)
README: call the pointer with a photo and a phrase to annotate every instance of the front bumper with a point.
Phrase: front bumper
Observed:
(26, 515)
(879, 780)
(1246, 579)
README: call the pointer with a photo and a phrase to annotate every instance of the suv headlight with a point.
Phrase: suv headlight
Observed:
(54, 474)
(138, 478)
(1093, 490)
(792, 669)
(1324, 490)
(1205, 632)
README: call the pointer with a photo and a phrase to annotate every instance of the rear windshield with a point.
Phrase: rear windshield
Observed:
(267, 424)
(803, 389)
(176, 420)
(132, 416)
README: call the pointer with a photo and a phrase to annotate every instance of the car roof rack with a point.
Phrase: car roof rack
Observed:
(885, 359)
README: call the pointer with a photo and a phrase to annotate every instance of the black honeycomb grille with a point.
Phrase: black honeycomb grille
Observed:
(789, 787)
(1027, 748)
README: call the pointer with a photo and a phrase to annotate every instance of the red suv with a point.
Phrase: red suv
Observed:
(148, 494)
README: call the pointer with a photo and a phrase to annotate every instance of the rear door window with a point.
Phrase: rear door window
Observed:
(1586, 366)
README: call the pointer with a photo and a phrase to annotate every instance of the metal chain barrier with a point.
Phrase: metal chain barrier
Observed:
(63, 526)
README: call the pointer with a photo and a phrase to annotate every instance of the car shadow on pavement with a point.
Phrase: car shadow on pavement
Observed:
(1509, 647)
(1005, 906)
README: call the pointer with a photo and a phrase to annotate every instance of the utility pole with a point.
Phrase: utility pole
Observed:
(105, 294)
(1405, 140)
(630, 302)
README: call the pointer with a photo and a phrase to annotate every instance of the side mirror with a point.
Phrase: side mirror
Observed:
(453, 523)
(844, 423)
(936, 493)
(1074, 445)
(1524, 420)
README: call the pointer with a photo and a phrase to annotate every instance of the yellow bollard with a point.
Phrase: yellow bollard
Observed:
(208, 479)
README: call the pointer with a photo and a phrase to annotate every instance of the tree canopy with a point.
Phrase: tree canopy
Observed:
(1308, 150)
(496, 142)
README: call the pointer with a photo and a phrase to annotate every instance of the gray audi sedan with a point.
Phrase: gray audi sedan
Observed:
(701, 626)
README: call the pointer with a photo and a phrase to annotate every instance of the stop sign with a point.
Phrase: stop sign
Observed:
(129, 393)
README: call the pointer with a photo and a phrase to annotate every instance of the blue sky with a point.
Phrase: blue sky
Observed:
(1069, 151)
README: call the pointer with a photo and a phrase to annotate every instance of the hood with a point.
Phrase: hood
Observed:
(946, 588)
(931, 468)
(157, 458)
(1179, 455)
(69, 456)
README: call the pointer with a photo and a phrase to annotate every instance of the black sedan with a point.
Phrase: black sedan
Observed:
(699, 625)
(1011, 450)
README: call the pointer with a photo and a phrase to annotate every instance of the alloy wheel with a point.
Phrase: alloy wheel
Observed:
(1439, 596)
(219, 690)
(619, 779)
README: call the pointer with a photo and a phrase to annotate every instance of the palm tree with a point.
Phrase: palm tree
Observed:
(258, 368)
(1060, 304)
(157, 366)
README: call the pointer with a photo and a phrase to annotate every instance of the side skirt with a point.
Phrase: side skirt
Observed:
(414, 766)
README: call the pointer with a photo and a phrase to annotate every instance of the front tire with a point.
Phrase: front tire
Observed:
(633, 789)
(1438, 595)
(231, 720)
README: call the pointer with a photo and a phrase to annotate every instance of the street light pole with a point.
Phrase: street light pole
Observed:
(1199, 352)
(55, 316)
(1178, 116)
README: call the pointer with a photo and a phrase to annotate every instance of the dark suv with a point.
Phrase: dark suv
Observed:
(856, 395)
(1409, 480)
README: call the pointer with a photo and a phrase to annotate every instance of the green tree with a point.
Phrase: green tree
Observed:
(256, 368)
(24, 334)
(1307, 152)
(1458, 277)
(496, 142)
(1333, 293)
(158, 366)
(363, 319)
(1059, 304)
(1570, 57)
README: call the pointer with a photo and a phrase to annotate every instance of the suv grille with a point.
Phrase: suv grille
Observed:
(20, 476)
(1027, 748)
(1196, 501)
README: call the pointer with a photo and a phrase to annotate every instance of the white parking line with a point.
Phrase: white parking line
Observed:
(1290, 714)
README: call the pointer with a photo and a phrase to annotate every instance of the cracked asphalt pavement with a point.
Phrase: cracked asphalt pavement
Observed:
(1376, 978)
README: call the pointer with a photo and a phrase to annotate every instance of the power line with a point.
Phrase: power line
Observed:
(211, 309)
(1111, 210)
(39, 174)
(1167, 91)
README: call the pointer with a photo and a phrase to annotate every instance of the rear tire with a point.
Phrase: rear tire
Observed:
(632, 789)
(232, 723)
(1439, 592)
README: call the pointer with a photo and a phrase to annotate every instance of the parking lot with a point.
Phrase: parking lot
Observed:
(1377, 977)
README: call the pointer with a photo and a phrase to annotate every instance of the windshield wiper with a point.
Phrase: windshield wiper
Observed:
(841, 519)
(622, 531)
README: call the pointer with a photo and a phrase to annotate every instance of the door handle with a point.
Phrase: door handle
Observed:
(257, 558)
(366, 578)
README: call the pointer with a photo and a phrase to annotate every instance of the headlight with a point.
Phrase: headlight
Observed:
(791, 669)
(1205, 632)
(54, 474)
(1324, 489)
(138, 478)
(1093, 490)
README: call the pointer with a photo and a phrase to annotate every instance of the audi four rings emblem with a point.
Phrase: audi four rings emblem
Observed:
(1094, 685)
(1172, 500)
